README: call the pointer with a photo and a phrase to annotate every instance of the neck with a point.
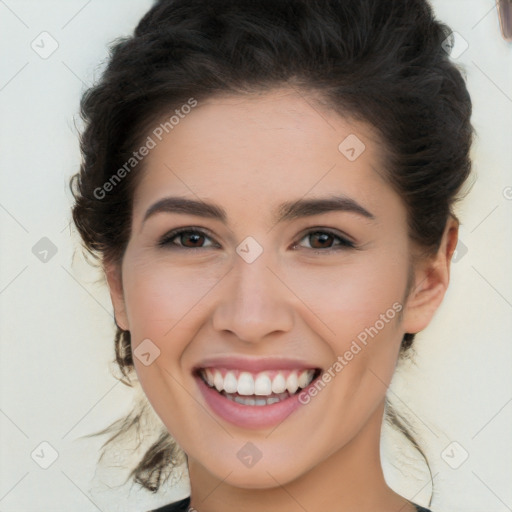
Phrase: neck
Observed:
(349, 479)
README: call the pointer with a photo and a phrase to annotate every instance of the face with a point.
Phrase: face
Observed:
(298, 270)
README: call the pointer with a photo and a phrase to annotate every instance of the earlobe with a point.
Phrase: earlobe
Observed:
(115, 284)
(431, 281)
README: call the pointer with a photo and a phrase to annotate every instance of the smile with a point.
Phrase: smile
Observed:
(257, 389)
(254, 399)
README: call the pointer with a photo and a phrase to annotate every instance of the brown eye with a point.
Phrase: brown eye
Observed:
(188, 239)
(323, 239)
(326, 240)
(195, 239)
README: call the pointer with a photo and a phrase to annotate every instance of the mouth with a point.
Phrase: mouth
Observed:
(257, 389)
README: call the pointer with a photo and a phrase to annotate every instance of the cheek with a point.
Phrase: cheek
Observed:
(356, 308)
(161, 298)
(162, 301)
(350, 298)
(341, 300)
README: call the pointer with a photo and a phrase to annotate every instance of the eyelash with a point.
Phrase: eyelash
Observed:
(166, 241)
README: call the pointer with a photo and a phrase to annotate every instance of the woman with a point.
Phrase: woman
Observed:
(269, 187)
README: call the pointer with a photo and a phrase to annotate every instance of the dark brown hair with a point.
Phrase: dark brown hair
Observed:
(381, 62)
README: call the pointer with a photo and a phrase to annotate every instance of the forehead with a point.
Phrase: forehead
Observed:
(265, 148)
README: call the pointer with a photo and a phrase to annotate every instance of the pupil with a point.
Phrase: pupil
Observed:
(322, 235)
(195, 237)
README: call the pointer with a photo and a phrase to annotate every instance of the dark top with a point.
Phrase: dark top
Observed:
(182, 506)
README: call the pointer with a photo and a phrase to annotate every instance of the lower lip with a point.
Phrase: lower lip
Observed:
(249, 416)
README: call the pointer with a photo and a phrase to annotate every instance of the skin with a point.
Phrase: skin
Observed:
(250, 154)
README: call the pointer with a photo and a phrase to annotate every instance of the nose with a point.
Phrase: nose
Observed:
(255, 302)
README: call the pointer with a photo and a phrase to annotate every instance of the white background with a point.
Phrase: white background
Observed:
(56, 325)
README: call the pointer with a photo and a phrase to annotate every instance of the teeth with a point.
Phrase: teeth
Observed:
(292, 383)
(263, 385)
(304, 379)
(218, 381)
(245, 384)
(209, 376)
(230, 383)
(279, 383)
(245, 401)
(257, 401)
(260, 384)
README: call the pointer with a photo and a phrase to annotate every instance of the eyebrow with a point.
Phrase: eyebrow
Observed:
(285, 212)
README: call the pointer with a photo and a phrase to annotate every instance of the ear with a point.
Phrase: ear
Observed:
(431, 282)
(115, 284)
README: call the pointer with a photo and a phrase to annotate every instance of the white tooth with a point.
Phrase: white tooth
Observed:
(245, 384)
(244, 401)
(292, 382)
(258, 402)
(304, 379)
(262, 385)
(230, 383)
(208, 375)
(218, 381)
(279, 383)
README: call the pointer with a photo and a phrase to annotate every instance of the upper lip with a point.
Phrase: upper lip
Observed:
(255, 364)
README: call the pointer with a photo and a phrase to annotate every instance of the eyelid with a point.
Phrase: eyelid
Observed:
(345, 241)
(173, 233)
(331, 231)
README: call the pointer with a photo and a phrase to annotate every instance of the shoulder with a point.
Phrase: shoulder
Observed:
(177, 506)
